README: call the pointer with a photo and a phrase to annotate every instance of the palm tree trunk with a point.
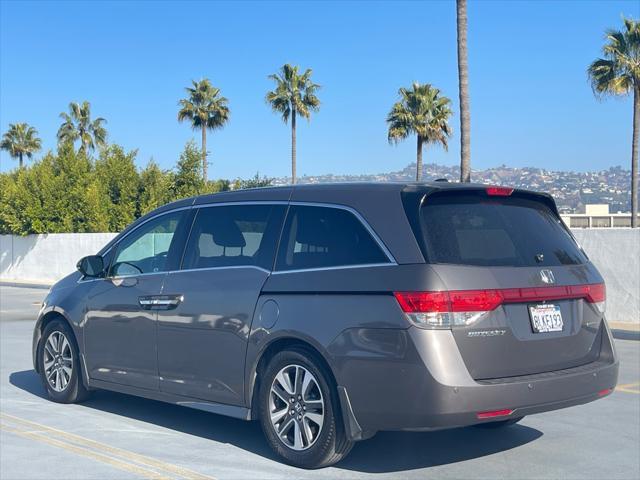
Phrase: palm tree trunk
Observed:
(463, 79)
(20, 160)
(419, 160)
(204, 153)
(293, 147)
(634, 157)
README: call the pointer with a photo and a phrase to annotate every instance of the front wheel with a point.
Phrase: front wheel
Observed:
(59, 364)
(299, 411)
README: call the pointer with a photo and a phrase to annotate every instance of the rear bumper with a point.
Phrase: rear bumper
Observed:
(459, 406)
(428, 387)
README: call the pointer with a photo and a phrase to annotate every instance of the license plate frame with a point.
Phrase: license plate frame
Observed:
(545, 318)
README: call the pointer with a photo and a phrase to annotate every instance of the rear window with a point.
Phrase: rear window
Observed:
(477, 230)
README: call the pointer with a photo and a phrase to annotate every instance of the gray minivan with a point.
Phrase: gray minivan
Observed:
(331, 312)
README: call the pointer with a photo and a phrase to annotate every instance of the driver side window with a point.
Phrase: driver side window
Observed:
(146, 249)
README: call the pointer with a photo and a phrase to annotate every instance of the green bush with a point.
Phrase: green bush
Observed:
(68, 191)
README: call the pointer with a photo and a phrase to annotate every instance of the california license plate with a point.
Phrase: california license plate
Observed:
(545, 318)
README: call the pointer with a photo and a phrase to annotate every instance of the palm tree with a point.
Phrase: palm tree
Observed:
(20, 140)
(421, 110)
(463, 82)
(618, 73)
(206, 109)
(294, 95)
(78, 125)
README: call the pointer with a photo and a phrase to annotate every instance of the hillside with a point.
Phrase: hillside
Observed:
(572, 190)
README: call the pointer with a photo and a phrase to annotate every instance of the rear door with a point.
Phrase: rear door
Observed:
(514, 246)
(202, 341)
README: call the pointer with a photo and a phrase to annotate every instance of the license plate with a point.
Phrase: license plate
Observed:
(545, 318)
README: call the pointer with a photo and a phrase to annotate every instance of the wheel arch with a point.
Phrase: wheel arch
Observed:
(272, 348)
(41, 324)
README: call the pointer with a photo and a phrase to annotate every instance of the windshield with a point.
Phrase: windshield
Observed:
(473, 229)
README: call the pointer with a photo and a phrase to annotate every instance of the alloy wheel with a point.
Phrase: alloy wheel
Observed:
(58, 361)
(296, 407)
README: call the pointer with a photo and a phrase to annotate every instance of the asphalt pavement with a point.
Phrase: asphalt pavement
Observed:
(114, 436)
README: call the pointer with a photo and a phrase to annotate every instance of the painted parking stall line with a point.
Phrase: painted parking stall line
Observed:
(629, 388)
(116, 457)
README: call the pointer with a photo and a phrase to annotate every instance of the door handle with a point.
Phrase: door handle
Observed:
(160, 302)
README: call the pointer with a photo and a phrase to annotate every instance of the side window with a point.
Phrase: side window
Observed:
(234, 236)
(146, 249)
(322, 237)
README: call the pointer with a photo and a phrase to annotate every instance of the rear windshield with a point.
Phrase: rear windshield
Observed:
(473, 229)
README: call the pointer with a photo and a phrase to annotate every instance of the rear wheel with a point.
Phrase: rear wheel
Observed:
(299, 411)
(59, 364)
(499, 423)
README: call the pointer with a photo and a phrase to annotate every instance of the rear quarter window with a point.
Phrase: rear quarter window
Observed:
(474, 229)
(325, 237)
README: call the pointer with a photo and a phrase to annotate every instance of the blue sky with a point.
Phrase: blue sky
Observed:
(531, 104)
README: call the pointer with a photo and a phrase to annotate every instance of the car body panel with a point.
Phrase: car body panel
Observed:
(119, 335)
(203, 341)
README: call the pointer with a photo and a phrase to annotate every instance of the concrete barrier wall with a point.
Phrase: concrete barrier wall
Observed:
(47, 258)
(616, 253)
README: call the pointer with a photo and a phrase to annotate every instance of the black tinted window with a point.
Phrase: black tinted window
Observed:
(318, 237)
(236, 235)
(510, 231)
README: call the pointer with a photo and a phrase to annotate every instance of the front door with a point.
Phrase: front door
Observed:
(120, 329)
(202, 342)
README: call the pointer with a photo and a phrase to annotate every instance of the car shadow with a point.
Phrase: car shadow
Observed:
(385, 453)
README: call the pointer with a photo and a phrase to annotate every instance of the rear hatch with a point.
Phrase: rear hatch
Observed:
(522, 296)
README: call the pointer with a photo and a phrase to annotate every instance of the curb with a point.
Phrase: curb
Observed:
(26, 284)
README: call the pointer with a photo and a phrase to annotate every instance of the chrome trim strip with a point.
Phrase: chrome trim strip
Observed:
(241, 202)
(339, 267)
(122, 277)
(230, 267)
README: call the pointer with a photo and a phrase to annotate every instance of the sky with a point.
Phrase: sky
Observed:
(531, 103)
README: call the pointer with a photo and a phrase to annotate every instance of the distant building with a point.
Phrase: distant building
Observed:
(596, 209)
(596, 216)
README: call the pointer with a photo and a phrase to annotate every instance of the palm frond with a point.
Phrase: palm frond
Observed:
(204, 106)
(618, 71)
(293, 92)
(421, 110)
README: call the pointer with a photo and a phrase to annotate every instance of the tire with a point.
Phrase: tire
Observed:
(499, 423)
(58, 347)
(321, 441)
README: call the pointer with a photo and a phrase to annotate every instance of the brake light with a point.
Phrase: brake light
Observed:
(605, 392)
(499, 191)
(464, 307)
(493, 414)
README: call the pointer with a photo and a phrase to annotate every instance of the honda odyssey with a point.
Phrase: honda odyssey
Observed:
(331, 312)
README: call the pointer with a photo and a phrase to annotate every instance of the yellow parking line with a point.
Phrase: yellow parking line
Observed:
(101, 447)
(126, 466)
(629, 387)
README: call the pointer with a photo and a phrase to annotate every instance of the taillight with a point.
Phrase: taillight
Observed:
(445, 309)
(499, 191)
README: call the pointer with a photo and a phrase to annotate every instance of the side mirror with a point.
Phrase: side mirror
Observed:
(91, 266)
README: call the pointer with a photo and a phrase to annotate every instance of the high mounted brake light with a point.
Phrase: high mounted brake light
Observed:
(499, 191)
(464, 307)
